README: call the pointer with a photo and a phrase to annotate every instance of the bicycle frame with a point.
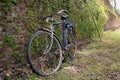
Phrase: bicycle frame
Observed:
(65, 26)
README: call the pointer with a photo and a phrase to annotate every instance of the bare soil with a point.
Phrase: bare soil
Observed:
(112, 24)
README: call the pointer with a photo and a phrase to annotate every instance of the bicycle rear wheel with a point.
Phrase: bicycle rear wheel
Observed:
(71, 45)
(44, 53)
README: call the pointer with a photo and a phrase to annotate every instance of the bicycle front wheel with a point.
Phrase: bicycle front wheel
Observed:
(44, 53)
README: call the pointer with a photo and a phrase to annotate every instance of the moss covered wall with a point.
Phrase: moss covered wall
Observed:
(31, 12)
(19, 19)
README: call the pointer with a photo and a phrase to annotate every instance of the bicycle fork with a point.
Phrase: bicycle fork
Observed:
(50, 41)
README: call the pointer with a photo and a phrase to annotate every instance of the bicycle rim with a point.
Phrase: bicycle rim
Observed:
(42, 61)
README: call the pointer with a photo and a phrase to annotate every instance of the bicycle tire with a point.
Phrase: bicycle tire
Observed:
(47, 64)
(71, 44)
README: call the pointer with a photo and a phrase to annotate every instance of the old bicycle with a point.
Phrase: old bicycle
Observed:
(45, 50)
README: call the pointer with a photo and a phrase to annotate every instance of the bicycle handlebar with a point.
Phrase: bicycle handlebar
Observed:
(59, 12)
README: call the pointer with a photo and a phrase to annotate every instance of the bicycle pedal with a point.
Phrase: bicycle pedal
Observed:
(63, 59)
